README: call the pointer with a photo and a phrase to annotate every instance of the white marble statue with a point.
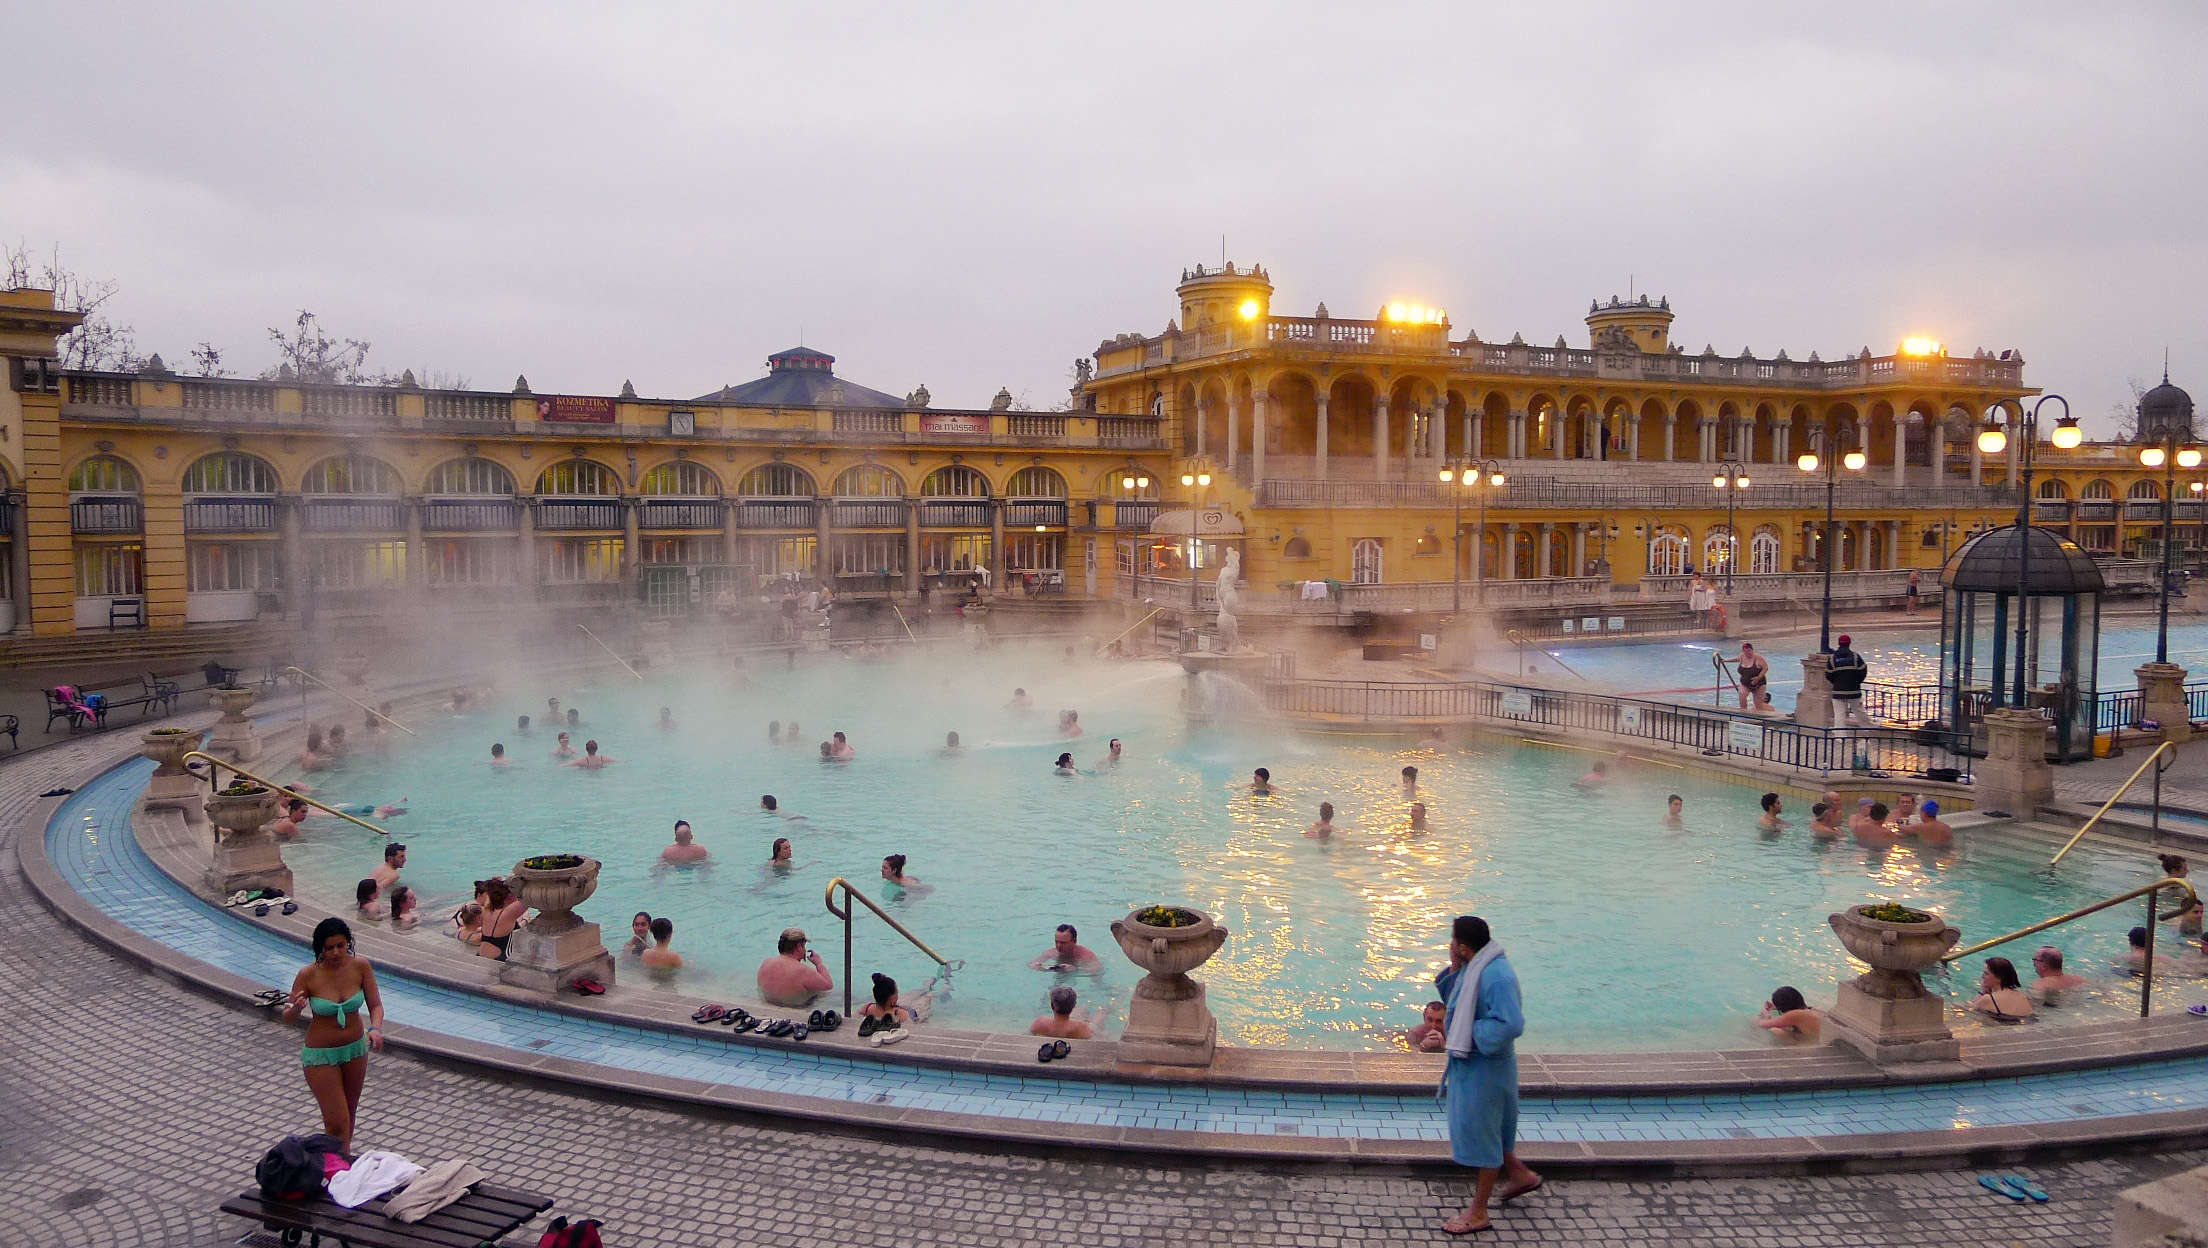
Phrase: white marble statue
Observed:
(1228, 593)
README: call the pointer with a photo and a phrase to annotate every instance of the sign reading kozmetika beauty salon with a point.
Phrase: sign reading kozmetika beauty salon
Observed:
(578, 409)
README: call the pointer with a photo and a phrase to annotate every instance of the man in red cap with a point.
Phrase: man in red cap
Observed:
(1846, 671)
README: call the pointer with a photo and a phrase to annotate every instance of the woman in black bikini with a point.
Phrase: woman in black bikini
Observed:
(502, 913)
(2000, 996)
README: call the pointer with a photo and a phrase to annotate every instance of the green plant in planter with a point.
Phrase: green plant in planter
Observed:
(171, 732)
(240, 788)
(1166, 916)
(553, 862)
(1894, 912)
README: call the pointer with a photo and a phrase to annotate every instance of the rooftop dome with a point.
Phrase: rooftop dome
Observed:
(1987, 564)
(2165, 408)
(801, 377)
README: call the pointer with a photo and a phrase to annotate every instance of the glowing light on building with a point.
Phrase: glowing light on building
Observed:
(1922, 346)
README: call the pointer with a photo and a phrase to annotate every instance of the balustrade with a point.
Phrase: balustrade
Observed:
(471, 515)
(351, 515)
(467, 407)
(120, 513)
(1028, 512)
(681, 514)
(774, 513)
(229, 515)
(869, 513)
(954, 513)
(579, 513)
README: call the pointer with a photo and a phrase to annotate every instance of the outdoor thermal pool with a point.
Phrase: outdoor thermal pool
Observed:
(1627, 935)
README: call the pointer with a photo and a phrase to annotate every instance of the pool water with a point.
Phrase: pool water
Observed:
(1681, 671)
(1627, 935)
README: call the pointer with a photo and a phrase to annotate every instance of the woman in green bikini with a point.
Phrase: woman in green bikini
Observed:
(337, 993)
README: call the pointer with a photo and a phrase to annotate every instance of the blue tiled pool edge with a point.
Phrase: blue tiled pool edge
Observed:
(101, 880)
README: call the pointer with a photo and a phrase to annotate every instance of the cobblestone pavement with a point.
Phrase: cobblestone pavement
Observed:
(130, 1108)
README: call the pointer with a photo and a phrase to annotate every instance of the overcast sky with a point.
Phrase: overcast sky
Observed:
(974, 196)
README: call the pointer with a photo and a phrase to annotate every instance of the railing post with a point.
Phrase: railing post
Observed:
(2146, 968)
(848, 916)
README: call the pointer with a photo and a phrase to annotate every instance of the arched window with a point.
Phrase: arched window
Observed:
(229, 472)
(103, 474)
(869, 481)
(470, 476)
(2052, 488)
(1718, 549)
(1036, 482)
(1763, 552)
(351, 474)
(579, 476)
(1297, 548)
(776, 481)
(956, 481)
(1667, 555)
(1366, 562)
(2097, 489)
(682, 477)
(2144, 488)
(1427, 544)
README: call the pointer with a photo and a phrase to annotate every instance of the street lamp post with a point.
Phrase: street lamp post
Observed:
(1732, 477)
(1809, 461)
(1469, 474)
(1195, 482)
(2165, 452)
(1992, 441)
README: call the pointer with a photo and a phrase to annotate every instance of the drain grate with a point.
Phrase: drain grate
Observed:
(80, 1198)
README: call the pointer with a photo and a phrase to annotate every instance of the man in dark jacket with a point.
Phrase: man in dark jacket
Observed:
(1846, 671)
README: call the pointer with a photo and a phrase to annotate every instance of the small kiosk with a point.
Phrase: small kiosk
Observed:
(2057, 587)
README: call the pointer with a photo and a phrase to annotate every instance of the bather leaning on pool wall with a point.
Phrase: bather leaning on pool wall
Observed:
(1629, 936)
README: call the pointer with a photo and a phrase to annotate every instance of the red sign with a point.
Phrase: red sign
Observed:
(931, 422)
(575, 409)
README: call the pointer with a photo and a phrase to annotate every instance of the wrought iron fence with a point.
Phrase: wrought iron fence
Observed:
(580, 513)
(486, 515)
(338, 515)
(774, 513)
(683, 514)
(230, 515)
(118, 514)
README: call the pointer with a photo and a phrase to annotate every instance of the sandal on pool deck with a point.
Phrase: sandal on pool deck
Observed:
(273, 997)
(813, 1019)
(2020, 1187)
(1047, 1052)
(1505, 1195)
(291, 907)
(746, 1023)
(798, 1031)
(866, 1027)
(1060, 1050)
(829, 1021)
(891, 1036)
(1993, 1183)
(707, 1014)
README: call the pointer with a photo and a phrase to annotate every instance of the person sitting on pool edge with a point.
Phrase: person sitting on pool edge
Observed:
(2000, 997)
(661, 960)
(1789, 1017)
(684, 850)
(887, 1013)
(1066, 953)
(1061, 1022)
(2049, 980)
(794, 975)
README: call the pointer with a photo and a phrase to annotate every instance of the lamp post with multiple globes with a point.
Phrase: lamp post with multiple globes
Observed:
(1484, 475)
(1195, 483)
(1993, 440)
(1732, 477)
(1810, 461)
(2166, 452)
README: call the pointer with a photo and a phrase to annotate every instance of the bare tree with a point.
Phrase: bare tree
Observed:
(2126, 415)
(311, 355)
(207, 361)
(96, 345)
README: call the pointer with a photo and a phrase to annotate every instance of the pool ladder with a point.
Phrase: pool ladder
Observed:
(849, 894)
(2146, 974)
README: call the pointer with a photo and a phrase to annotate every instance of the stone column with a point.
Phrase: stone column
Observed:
(1579, 549)
(1380, 431)
(1514, 435)
(1901, 453)
(294, 556)
(912, 544)
(1318, 434)
(632, 546)
(1506, 559)
(1633, 437)
(1541, 551)
(1813, 705)
(2015, 775)
(417, 552)
(2015, 445)
(19, 559)
(1671, 429)
(1560, 433)
(1863, 438)
(824, 551)
(2162, 699)
(527, 566)
(1782, 439)
(1472, 432)
(1203, 420)
(1261, 408)
(731, 535)
(996, 544)
(1234, 432)
(1977, 464)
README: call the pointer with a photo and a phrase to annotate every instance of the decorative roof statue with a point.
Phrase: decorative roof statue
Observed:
(1321, 314)
(919, 399)
(1082, 372)
(1003, 401)
(628, 390)
(521, 384)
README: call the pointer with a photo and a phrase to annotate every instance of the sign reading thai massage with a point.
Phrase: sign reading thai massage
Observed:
(946, 422)
(576, 409)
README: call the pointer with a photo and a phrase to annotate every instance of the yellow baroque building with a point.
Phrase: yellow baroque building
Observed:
(1314, 446)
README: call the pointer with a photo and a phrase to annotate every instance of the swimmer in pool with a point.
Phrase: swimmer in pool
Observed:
(1410, 781)
(498, 755)
(1772, 808)
(552, 709)
(1066, 767)
(1069, 723)
(660, 960)
(1020, 701)
(640, 933)
(843, 751)
(893, 870)
(574, 718)
(666, 719)
(790, 734)
(1112, 755)
(1929, 828)
(684, 851)
(521, 725)
(1066, 953)
(591, 760)
(950, 743)
(1261, 783)
(1324, 828)
(774, 732)
(1823, 824)
(1675, 811)
(1418, 817)
(1594, 779)
(564, 749)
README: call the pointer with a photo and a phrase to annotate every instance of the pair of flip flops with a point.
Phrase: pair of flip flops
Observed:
(1054, 1051)
(823, 1020)
(880, 1030)
(260, 911)
(272, 998)
(2014, 1186)
(708, 1014)
(587, 988)
(782, 1028)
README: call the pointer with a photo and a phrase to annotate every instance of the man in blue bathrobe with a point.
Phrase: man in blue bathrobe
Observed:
(1480, 1084)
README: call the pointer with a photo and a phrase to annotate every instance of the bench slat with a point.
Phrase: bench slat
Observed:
(466, 1223)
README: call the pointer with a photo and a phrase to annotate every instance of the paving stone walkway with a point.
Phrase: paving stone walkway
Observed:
(129, 1108)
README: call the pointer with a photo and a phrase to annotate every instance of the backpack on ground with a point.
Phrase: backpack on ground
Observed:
(565, 1234)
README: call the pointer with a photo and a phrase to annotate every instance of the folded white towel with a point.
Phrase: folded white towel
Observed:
(372, 1174)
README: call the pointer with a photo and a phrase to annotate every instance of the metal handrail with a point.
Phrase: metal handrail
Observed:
(2146, 973)
(2165, 748)
(213, 762)
(907, 623)
(1513, 635)
(349, 698)
(1130, 628)
(609, 650)
(850, 892)
(1725, 676)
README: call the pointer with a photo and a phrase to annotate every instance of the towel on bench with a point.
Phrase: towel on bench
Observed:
(372, 1174)
(433, 1189)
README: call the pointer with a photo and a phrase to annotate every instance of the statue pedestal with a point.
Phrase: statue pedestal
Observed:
(1813, 705)
(2162, 699)
(1734, 630)
(546, 957)
(1162, 1030)
(173, 787)
(233, 737)
(247, 860)
(1893, 1029)
(2015, 775)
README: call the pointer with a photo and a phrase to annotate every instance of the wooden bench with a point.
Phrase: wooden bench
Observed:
(483, 1216)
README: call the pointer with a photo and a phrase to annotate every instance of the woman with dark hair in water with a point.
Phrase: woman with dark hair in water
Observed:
(1790, 1016)
(502, 913)
(337, 992)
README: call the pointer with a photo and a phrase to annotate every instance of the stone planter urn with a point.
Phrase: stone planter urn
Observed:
(1168, 1023)
(173, 787)
(1885, 1013)
(353, 669)
(557, 947)
(246, 854)
(234, 737)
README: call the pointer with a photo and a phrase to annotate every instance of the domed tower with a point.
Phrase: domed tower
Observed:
(1224, 296)
(2165, 408)
(1642, 325)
